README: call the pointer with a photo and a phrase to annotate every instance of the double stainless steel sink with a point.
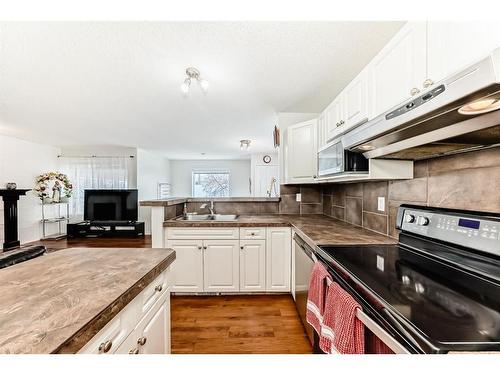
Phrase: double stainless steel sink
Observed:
(214, 217)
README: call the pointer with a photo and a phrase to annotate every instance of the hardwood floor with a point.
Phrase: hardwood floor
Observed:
(262, 324)
(221, 324)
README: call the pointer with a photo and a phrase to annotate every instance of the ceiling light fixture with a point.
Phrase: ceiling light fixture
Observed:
(193, 74)
(245, 144)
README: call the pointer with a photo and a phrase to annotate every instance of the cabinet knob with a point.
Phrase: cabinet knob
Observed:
(341, 122)
(252, 234)
(414, 91)
(241, 247)
(141, 340)
(159, 288)
(134, 351)
(204, 247)
(428, 82)
(105, 346)
(337, 124)
(200, 247)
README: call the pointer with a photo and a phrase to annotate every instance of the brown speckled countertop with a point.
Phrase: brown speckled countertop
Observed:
(57, 302)
(314, 229)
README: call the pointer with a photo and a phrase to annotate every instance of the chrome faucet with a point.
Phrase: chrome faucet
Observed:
(211, 208)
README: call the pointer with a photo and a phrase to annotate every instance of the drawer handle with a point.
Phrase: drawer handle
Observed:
(134, 351)
(158, 288)
(105, 346)
(141, 340)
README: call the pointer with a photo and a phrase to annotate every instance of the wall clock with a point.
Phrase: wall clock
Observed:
(266, 159)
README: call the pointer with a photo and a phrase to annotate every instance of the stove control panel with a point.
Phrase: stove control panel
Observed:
(474, 232)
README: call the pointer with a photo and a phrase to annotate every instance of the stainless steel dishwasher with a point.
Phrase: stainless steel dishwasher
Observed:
(303, 267)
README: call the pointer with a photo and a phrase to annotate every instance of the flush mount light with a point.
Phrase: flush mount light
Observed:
(193, 74)
(366, 147)
(245, 144)
(480, 106)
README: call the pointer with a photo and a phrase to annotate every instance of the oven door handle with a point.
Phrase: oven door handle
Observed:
(408, 333)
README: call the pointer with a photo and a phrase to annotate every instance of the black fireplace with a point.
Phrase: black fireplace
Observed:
(10, 198)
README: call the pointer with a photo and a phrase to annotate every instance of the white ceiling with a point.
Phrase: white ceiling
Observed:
(118, 83)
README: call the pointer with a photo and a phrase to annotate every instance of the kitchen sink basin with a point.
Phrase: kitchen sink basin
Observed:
(216, 217)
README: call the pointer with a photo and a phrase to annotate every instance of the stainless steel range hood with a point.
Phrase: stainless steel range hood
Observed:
(458, 114)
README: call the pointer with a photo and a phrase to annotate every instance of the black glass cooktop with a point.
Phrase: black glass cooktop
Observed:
(453, 308)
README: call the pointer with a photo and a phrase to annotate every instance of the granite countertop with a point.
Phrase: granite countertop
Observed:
(314, 229)
(174, 201)
(57, 302)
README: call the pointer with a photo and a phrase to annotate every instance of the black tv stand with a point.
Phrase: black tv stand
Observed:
(105, 229)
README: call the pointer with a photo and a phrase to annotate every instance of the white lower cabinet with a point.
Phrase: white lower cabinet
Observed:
(142, 326)
(258, 261)
(221, 266)
(253, 265)
(278, 259)
(152, 334)
(187, 270)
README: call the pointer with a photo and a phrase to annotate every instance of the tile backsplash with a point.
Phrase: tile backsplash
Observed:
(468, 181)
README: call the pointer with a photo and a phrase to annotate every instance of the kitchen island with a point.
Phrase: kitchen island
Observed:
(91, 300)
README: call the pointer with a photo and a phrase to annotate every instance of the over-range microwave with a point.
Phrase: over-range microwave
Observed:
(334, 159)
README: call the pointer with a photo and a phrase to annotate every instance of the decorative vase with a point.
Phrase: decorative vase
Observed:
(10, 185)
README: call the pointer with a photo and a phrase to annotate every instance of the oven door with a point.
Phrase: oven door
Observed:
(331, 159)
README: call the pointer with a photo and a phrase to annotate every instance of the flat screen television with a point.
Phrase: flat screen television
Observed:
(110, 205)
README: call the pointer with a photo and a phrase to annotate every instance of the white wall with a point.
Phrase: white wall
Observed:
(257, 166)
(20, 162)
(151, 169)
(181, 170)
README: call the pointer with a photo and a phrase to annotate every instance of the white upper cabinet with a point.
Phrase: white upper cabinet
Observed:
(452, 46)
(321, 131)
(356, 101)
(301, 152)
(399, 68)
(336, 120)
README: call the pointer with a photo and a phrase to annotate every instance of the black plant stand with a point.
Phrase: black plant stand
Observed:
(10, 198)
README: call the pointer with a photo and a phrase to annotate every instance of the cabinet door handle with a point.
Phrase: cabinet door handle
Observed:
(414, 91)
(159, 288)
(204, 247)
(252, 234)
(141, 340)
(105, 346)
(428, 82)
(134, 351)
(341, 122)
(200, 247)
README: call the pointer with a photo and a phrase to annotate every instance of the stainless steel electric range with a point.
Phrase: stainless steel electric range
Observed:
(438, 289)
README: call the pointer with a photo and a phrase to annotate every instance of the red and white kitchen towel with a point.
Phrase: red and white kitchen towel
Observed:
(318, 285)
(332, 313)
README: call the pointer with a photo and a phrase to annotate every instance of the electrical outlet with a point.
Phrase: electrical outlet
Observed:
(380, 263)
(298, 197)
(381, 204)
